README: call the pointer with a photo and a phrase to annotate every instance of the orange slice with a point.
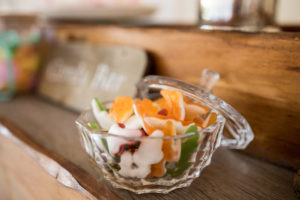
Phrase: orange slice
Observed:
(144, 108)
(187, 122)
(175, 103)
(121, 109)
(170, 154)
(158, 169)
(193, 110)
(211, 118)
(198, 121)
(169, 130)
(170, 148)
(161, 102)
(186, 100)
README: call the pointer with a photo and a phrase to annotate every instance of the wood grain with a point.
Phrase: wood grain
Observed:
(260, 74)
(231, 175)
(26, 179)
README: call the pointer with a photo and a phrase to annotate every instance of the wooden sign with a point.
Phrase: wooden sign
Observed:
(78, 72)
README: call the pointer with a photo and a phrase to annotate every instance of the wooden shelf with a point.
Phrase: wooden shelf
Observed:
(260, 74)
(50, 130)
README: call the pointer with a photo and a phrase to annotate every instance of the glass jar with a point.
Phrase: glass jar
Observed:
(245, 15)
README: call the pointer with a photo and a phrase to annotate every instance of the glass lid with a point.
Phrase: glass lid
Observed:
(237, 133)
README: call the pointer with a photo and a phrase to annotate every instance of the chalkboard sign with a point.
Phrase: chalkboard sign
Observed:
(78, 72)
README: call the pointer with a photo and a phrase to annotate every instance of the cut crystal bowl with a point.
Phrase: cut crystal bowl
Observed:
(228, 128)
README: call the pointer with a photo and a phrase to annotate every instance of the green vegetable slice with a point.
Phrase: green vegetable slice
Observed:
(187, 149)
(100, 105)
(95, 126)
(115, 166)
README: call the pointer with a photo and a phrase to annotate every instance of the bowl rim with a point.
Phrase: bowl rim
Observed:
(81, 124)
(187, 89)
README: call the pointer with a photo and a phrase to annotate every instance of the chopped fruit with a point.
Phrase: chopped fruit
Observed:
(150, 149)
(158, 169)
(121, 109)
(194, 110)
(187, 122)
(122, 148)
(211, 118)
(198, 121)
(163, 112)
(114, 142)
(133, 122)
(158, 123)
(144, 132)
(138, 164)
(188, 147)
(131, 146)
(143, 108)
(169, 130)
(170, 150)
(121, 125)
(130, 122)
(128, 168)
(161, 102)
(186, 100)
(175, 103)
(101, 116)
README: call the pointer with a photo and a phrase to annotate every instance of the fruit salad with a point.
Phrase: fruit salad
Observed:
(148, 121)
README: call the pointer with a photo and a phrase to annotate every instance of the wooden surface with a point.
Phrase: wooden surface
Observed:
(26, 179)
(40, 173)
(260, 74)
(231, 175)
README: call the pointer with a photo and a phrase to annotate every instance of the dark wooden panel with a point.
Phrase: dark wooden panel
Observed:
(260, 75)
(231, 175)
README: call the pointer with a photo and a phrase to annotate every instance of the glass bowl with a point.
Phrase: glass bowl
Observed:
(133, 170)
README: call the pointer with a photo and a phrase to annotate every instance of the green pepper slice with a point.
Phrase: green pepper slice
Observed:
(187, 149)
(95, 126)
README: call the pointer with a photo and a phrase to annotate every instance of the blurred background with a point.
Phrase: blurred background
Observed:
(69, 51)
(24, 25)
(29, 30)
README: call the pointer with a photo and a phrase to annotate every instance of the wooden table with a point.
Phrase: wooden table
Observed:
(50, 132)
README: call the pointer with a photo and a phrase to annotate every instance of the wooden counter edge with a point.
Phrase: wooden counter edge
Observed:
(87, 185)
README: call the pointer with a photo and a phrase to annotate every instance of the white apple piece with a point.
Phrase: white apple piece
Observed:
(138, 164)
(101, 116)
